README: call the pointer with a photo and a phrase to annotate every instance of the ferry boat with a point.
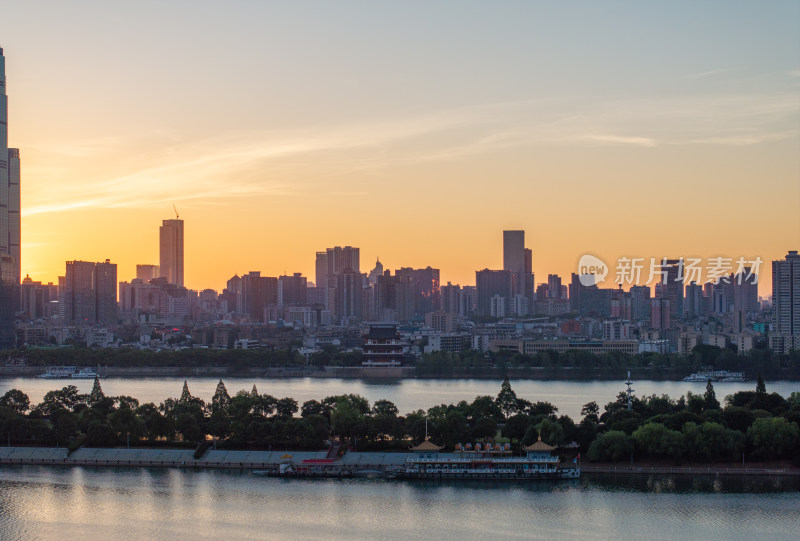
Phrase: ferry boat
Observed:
(85, 373)
(58, 372)
(715, 375)
(69, 372)
(486, 462)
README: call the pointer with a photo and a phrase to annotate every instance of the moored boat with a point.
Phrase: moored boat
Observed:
(493, 462)
(715, 375)
(58, 372)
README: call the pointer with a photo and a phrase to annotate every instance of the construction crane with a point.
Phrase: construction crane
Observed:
(177, 216)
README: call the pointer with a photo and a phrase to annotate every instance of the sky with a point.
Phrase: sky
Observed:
(417, 131)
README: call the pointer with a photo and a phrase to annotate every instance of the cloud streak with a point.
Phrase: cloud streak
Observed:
(246, 164)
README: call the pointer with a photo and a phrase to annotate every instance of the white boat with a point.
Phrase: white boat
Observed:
(715, 375)
(58, 372)
(85, 373)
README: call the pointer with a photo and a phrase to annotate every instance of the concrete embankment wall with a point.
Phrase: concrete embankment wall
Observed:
(183, 458)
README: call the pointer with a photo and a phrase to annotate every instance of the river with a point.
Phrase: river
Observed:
(97, 504)
(408, 394)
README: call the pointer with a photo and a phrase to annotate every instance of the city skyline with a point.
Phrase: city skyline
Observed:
(588, 154)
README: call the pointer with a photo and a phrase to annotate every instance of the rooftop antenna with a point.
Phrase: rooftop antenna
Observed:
(177, 216)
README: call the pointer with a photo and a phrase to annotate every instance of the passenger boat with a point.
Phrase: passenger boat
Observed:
(486, 462)
(85, 373)
(69, 372)
(58, 372)
(715, 375)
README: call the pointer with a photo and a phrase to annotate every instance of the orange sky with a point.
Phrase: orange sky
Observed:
(415, 133)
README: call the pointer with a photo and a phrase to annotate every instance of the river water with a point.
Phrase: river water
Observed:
(408, 394)
(40, 503)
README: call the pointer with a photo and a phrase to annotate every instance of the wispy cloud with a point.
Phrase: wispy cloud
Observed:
(622, 140)
(251, 164)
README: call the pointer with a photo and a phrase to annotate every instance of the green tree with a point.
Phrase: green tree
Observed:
(761, 388)
(591, 412)
(773, 437)
(507, 399)
(384, 407)
(485, 428)
(612, 445)
(97, 392)
(551, 431)
(516, 426)
(711, 441)
(16, 401)
(221, 399)
(710, 398)
(286, 407)
(654, 439)
(186, 396)
(311, 407)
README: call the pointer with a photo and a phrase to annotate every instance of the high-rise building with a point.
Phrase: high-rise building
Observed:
(514, 251)
(257, 293)
(9, 189)
(672, 281)
(518, 260)
(553, 286)
(491, 284)
(14, 223)
(171, 251)
(786, 295)
(4, 199)
(329, 265)
(8, 292)
(105, 283)
(660, 313)
(292, 290)
(425, 288)
(745, 291)
(145, 273)
(451, 295)
(349, 295)
(693, 303)
(90, 293)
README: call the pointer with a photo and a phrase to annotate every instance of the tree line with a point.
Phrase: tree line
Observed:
(695, 427)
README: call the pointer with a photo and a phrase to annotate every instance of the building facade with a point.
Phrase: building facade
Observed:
(786, 303)
(171, 251)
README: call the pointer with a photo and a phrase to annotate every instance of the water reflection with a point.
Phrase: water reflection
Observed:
(58, 503)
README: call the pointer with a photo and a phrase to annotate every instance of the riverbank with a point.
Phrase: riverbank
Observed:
(351, 461)
(358, 372)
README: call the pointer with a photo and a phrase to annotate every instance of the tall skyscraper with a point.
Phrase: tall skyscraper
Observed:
(171, 251)
(4, 202)
(8, 292)
(786, 302)
(14, 222)
(514, 251)
(672, 283)
(9, 187)
(518, 260)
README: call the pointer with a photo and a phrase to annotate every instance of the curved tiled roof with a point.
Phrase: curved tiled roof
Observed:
(540, 446)
(427, 446)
